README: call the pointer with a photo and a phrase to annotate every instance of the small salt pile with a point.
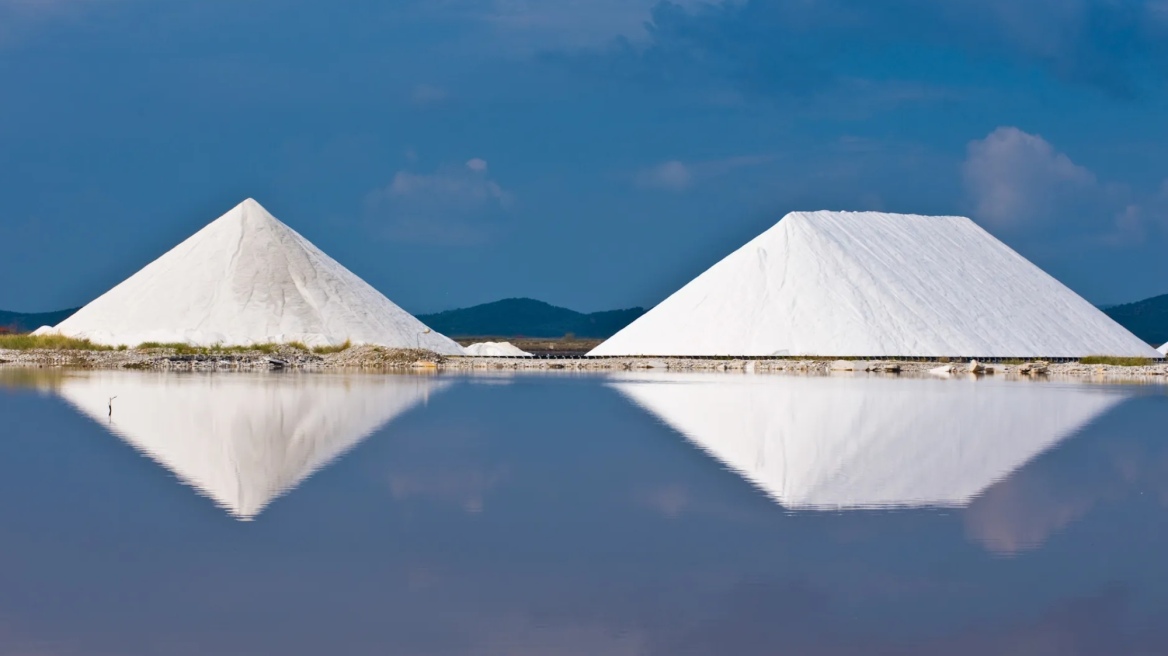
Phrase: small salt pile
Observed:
(496, 349)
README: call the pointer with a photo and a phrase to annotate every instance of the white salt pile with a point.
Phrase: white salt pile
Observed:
(248, 279)
(244, 440)
(1163, 349)
(830, 443)
(496, 349)
(873, 284)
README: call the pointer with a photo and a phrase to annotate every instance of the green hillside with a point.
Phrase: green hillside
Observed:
(22, 322)
(525, 317)
(1147, 319)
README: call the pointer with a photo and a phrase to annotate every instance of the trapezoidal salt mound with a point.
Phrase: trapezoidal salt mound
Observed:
(249, 279)
(869, 284)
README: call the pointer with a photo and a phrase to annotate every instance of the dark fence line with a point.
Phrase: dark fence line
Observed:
(955, 359)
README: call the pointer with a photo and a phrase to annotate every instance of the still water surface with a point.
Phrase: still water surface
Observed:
(637, 514)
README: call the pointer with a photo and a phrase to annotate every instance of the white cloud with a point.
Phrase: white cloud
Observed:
(675, 175)
(455, 205)
(672, 175)
(425, 95)
(19, 17)
(1015, 178)
(41, 7)
(1018, 181)
(467, 187)
(1136, 222)
(538, 24)
(1158, 11)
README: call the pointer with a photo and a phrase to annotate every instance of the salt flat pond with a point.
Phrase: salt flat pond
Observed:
(579, 514)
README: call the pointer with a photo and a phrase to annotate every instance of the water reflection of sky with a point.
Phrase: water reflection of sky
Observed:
(537, 515)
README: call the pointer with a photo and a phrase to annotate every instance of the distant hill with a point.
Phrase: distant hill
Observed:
(22, 322)
(1147, 319)
(515, 317)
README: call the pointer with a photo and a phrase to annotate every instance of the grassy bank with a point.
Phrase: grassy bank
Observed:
(62, 343)
(328, 350)
(50, 342)
(1116, 361)
(267, 349)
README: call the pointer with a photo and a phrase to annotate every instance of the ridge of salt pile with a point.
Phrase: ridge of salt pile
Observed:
(496, 349)
(870, 284)
(246, 278)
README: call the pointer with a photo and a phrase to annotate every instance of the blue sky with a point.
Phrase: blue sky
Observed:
(594, 154)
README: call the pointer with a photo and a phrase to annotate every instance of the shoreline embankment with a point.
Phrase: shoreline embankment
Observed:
(374, 358)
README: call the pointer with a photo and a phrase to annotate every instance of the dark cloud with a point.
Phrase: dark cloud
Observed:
(748, 48)
(794, 47)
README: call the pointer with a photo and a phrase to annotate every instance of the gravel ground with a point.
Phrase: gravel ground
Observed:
(358, 357)
(378, 358)
(1157, 372)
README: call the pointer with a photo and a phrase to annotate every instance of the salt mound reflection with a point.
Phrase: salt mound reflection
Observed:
(242, 439)
(837, 443)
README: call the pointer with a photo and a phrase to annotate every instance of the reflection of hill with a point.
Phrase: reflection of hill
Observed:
(243, 439)
(853, 443)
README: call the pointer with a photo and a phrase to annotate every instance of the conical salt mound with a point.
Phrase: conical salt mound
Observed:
(249, 279)
(869, 284)
(1163, 349)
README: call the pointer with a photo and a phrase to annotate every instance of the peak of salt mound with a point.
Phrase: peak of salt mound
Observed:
(247, 278)
(870, 284)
